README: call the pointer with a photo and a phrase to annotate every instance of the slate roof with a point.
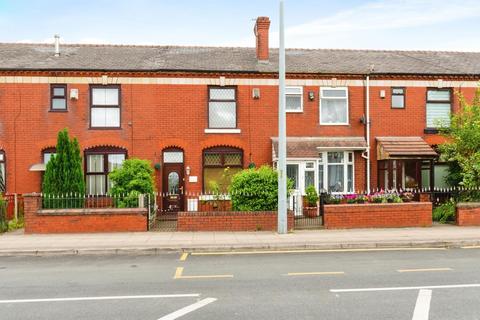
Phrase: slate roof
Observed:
(309, 147)
(18, 56)
(403, 147)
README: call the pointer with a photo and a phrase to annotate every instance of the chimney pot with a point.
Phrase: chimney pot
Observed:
(262, 27)
(57, 45)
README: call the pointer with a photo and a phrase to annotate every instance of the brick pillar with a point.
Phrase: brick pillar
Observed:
(424, 197)
(31, 204)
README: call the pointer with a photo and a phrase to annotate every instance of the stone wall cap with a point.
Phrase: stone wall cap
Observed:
(468, 205)
(92, 211)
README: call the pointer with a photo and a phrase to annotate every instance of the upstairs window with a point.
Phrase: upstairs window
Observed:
(439, 105)
(398, 98)
(99, 162)
(105, 107)
(3, 175)
(294, 99)
(334, 106)
(58, 95)
(222, 108)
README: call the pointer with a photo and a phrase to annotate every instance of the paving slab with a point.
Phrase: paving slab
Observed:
(18, 243)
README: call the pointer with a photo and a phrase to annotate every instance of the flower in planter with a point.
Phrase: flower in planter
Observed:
(361, 199)
(407, 196)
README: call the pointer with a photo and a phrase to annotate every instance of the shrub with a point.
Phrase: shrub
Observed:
(445, 212)
(311, 196)
(256, 189)
(133, 178)
(64, 173)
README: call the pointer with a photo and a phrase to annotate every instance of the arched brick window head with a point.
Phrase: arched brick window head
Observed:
(220, 164)
(99, 162)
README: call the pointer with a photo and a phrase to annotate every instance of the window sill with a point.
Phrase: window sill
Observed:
(58, 111)
(105, 128)
(334, 124)
(294, 111)
(223, 131)
(430, 130)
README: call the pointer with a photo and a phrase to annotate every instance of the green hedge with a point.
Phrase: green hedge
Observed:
(256, 189)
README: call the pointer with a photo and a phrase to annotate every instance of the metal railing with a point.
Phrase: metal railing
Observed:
(87, 201)
(3, 215)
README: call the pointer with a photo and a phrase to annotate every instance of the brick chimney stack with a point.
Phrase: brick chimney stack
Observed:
(262, 27)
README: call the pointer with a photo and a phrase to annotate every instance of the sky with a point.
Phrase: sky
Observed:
(450, 25)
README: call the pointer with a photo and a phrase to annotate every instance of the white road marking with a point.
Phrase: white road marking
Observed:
(320, 273)
(217, 253)
(181, 312)
(155, 296)
(452, 286)
(179, 275)
(422, 307)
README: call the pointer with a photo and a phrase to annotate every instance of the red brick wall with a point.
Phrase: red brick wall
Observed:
(468, 214)
(81, 220)
(230, 221)
(388, 215)
(154, 117)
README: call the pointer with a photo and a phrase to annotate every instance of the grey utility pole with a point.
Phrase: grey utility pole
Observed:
(282, 144)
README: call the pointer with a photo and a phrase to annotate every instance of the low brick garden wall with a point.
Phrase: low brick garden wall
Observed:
(468, 214)
(378, 215)
(81, 220)
(230, 221)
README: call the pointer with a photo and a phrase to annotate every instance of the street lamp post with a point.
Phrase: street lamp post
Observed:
(282, 144)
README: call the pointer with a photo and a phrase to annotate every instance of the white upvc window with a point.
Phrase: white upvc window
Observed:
(334, 106)
(294, 99)
(332, 171)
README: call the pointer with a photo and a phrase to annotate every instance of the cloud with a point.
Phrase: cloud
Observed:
(361, 24)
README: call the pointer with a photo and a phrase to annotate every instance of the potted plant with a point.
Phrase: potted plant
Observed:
(311, 199)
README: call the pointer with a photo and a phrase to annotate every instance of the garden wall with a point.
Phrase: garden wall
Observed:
(468, 214)
(378, 215)
(81, 220)
(230, 221)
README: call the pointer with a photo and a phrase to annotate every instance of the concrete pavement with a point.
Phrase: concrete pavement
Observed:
(154, 242)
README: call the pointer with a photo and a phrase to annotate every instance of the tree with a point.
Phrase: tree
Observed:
(133, 178)
(256, 189)
(462, 150)
(64, 174)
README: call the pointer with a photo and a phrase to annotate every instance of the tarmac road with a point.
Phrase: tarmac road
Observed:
(380, 284)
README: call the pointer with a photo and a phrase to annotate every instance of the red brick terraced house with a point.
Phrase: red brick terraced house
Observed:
(356, 119)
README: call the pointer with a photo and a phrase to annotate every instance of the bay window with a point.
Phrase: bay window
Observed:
(99, 162)
(105, 107)
(332, 171)
(334, 106)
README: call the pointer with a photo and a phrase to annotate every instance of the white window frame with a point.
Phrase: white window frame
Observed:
(302, 167)
(300, 92)
(322, 89)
